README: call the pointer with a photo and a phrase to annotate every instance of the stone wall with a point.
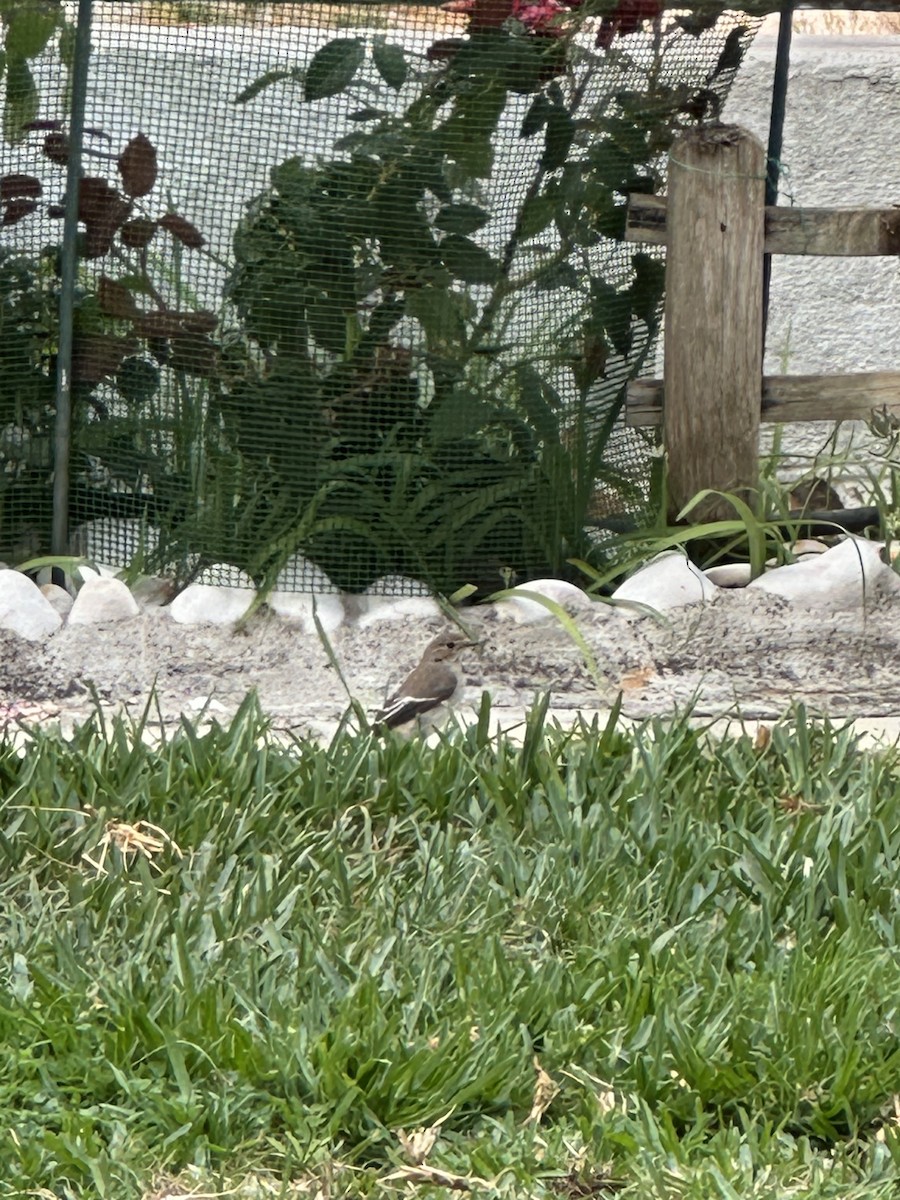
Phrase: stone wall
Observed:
(842, 134)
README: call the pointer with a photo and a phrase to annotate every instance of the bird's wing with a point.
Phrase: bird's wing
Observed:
(421, 692)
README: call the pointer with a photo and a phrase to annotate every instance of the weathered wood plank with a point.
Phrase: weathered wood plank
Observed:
(714, 289)
(824, 231)
(788, 398)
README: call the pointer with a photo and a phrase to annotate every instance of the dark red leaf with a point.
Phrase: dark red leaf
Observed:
(182, 229)
(137, 166)
(195, 354)
(116, 300)
(15, 210)
(56, 148)
(19, 185)
(102, 209)
(137, 234)
(98, 356)
(201, 321)
(159, 324)
(95, 198)
(444, 49)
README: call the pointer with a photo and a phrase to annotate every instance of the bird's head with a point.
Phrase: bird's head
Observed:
(446, 646)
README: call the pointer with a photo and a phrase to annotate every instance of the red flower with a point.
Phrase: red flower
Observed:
(540, 16)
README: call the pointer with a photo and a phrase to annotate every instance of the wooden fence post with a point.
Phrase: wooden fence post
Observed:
(713, 330)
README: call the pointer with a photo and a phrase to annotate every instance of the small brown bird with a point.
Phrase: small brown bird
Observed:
(430, 684)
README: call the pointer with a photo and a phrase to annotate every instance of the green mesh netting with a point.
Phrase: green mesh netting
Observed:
(353, 306)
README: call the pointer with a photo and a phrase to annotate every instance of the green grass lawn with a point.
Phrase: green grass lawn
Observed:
(640, 963)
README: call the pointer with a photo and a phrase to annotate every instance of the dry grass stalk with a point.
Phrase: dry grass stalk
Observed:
(545, 1091)
(142, 838)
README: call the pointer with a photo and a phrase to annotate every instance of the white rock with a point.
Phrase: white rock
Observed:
(101, 600)
(397, 585)
(301, 575)
(203, 604)
(23, 609)
(803, 548)
(59, 598)
(525, 611)
(396, 598)
(838, 579)
(373, 609)
(806, 546)
(225, 575)
(729, 575)
(299, 607)
(669, 581)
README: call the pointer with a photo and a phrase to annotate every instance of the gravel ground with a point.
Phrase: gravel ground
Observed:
(744, 652)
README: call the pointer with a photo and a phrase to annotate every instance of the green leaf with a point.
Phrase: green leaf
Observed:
(29, 28)
(467, 134)
(753, 526)
(467, 261)
(390, 62)
(65, 562)
(558, 275)
(276, 75)
(647, 288)
(367, 114)
(540, 402)
(439, 313)
(461, 218)
(611, 312)
(610, 220)
(537, 213)
(22, 100)
(536, 117)
(559, 136)
(68, 39)
(333, 67)
(459, 416)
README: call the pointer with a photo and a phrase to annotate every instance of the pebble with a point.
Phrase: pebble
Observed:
(303, 609)
(522, 609)
(396, 598)
(841, 578)
(23, 609)
(205, 604)
(318, 598)
(301, 576)
(61, 600)
(226, 575)
(729, 575)
(100, 600)
(669, 581)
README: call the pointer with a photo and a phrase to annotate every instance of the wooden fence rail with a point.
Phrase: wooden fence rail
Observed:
(713, 396)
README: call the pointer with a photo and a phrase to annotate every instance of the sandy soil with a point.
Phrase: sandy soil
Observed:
(744, 653)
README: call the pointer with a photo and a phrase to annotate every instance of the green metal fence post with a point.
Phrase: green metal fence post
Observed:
(68, 276)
